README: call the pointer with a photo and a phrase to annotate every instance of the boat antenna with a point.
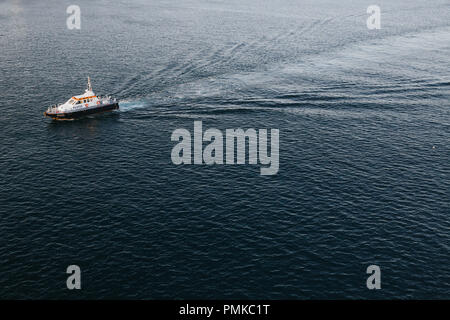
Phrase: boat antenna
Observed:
(89, 84)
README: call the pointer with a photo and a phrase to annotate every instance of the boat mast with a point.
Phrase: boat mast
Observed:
(89, 84)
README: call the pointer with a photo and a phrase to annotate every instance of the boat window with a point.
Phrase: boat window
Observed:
(71, 101)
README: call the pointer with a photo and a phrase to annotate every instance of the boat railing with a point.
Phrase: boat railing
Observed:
(53, 108)
(106, 99)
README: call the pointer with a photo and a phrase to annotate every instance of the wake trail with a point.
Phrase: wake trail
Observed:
(129, 105)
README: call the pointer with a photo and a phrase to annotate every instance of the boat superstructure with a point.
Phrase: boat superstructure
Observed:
(82, 105)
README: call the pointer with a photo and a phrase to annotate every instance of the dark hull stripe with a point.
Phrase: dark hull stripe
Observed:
(82, 113)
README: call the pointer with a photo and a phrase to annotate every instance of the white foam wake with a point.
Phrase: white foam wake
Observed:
(128, 105)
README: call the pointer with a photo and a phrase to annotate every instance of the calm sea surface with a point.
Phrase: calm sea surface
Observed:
(364, 120)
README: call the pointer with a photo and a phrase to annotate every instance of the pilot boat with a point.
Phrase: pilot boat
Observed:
(82, 105)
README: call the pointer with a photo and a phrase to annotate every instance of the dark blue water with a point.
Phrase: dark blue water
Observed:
(364, 175)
